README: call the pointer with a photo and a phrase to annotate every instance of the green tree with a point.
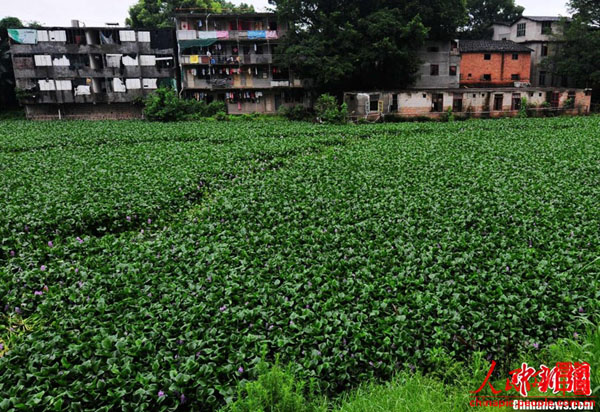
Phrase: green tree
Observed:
(7, 82)
(361, 44)
(482, 13)
(586, 10)
(578, 57)
(11, 23)
(159, 13)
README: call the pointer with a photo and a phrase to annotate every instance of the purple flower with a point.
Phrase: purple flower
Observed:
(128, 218)
(182, 399)
(80, 240)
(1, 346)
(38, 293)
(209, 278)
(26, 228)
(80, 283)
(291, 322)
(223, 308)
(309, 283)
(45, 288)
(161, 394)
(50, 244)
(580, 310)
(76, 270)
(575, 335)
(149, 221)
(43, 268)
(536, 345)
(270, 327)
(18, 310)
(241, 370)
(370, 363)
(180, 341)
(12, 253)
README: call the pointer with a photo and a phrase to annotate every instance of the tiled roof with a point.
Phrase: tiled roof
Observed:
(543, 18)
(474, 46)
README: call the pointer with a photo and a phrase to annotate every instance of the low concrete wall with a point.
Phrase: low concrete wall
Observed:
(83, 112)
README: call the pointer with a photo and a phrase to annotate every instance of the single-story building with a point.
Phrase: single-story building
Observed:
(476, 102)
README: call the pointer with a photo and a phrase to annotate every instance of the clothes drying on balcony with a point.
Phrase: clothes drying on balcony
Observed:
(83, 91)
(257, 34)
(272, 34)
(106, 37)
(23, 36)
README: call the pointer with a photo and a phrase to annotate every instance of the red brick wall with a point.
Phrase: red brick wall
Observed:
(501, 66)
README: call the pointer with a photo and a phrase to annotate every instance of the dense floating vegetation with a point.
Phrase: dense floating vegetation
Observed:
(149, 264)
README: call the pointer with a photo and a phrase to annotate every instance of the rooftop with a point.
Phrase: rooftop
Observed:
(475, 46)
(544, 18)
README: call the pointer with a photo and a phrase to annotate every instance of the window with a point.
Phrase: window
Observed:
(515, 76)
(487, 77)
(546, 27)
(452, 71)
(516, 101)
(457, 103)
(521, 29)
(542, 79)
(374, 103)
(515, 56)
(470, 75)
(434, 70)
(498, 98)
(433, 49)
(394, 104)
(487, 56)
(504, 38)
(544, 50)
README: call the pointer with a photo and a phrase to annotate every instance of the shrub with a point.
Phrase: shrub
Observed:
(298, 112)
(328, 111)
(449, 115)
(164, 105)
(221, 116)
(276, 389)
(523, 112)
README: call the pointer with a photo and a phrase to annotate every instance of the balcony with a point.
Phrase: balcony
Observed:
(232, 35)
(230, 59)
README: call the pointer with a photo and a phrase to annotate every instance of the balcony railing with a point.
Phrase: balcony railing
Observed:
(228, 59)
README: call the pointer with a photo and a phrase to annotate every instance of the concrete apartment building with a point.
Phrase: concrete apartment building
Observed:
(84, 72)
(440, 65)
(230, 58)
(541, 35)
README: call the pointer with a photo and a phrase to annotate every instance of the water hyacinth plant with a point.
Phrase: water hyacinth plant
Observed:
(351, 252)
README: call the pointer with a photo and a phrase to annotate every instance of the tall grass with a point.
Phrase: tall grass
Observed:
(279, 390)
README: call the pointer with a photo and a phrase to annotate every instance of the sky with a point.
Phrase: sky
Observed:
(97, 13)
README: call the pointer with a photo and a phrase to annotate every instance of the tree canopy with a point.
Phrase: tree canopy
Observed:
(482, 13)
(360, 44)
(10, 23)
(159, 13)
(579, 56)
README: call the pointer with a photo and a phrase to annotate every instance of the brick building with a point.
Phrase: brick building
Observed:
(489, 63)
(83, 72)
(230, 58)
